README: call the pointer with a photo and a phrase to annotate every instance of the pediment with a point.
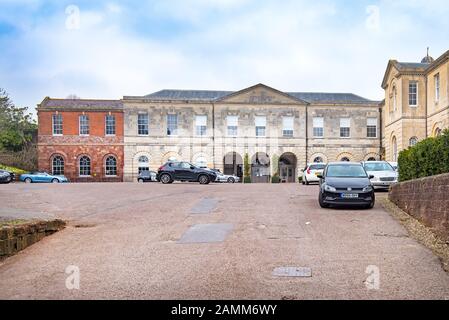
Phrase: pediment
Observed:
(261, 94)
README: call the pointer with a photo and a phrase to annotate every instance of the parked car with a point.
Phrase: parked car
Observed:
(226, 178)
(346, 183)
(394, 165)
(6, 176)
(184, 171)
(42, 177)
(311, 172)
(384, 174)
(147, 176)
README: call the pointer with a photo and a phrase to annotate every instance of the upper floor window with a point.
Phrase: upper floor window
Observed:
(110, 125)
(318, 127)
(345, 127)
(57, 124)
(287, 126)
(413, 94)
(261, 124)
(232, 124)
(142, 124)
(84, 125)
(201, 125)
(111, 166)
(371, 128)
(395, 99)
(172, 124)
(437, 87)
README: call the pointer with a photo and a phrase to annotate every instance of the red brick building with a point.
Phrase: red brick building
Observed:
(81, 139)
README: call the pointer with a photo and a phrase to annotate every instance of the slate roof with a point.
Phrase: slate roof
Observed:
(49, 103)
(206, 95)
(412, 65)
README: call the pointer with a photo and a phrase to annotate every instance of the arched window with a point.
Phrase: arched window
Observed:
(57, 166)
(372, 159)
(345, 159)
(111, 166)
(438, 132)
(413, 141)
(395, 99)
(84, 166)
(172, 159)
(394, 155)
(318, 160)
(201, 162)
(143, 164)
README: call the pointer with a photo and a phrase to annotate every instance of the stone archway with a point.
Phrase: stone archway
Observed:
(287, 167)
(260, 168)
(233, 164)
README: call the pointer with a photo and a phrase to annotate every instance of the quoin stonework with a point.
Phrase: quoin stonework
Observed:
(280, 132)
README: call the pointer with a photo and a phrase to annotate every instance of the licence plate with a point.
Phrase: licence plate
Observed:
(349, 195)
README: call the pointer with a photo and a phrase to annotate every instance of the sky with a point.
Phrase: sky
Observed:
(106, 49)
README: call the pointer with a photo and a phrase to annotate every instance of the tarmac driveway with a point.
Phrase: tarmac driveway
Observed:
(186, 241)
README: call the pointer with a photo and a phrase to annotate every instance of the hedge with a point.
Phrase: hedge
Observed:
(427, 158)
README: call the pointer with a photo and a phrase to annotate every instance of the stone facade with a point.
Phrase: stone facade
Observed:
(406, 121)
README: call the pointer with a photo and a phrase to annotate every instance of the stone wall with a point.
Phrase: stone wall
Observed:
(426, 200)
(16, 238)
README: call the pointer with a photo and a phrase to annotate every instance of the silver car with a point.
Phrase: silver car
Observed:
(384, 174)
(226, 178)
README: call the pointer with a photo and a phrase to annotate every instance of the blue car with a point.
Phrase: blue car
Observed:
(42, 177)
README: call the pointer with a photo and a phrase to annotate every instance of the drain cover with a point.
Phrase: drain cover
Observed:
(292, 272)
(205, 206)
(206, 233)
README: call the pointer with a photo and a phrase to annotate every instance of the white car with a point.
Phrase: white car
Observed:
(394, 165)
(226, 178)
(384, 174)
(311, 172)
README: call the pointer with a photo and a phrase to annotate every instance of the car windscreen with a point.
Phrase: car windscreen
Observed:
(317, 167)
(346, 171)
(381, 166)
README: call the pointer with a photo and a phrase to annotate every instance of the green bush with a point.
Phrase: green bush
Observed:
(429, 157)
(275, 179)
(247, 180)
(300, 179)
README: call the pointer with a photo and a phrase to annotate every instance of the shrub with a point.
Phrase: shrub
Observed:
(247, 180)
(275, 179)
(427, 158)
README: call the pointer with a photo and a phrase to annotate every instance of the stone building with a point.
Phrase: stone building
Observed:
(280, 132)
(416, 102)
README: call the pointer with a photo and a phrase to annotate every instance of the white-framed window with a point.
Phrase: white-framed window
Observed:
(371, 128)
(395, 99)
(111, 166)
(84, 125)
(437, 87)
(413, 94)
(57, 165)
(232, 125)
(345, 127)
(57, 124)
(143, 124)
(172, 124)
(261, 125)
(84, 166)
(144, 164)
(318, 127)
(288, 126)
(413, 141)
(201, 125)
(110, 125)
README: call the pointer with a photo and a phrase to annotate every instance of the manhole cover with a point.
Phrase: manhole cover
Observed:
(206, 233)
(205, 206)
(292, 272)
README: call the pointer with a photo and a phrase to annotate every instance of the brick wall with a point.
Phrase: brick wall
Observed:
(427, 200)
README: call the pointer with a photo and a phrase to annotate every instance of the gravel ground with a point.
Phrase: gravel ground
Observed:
(124, 239)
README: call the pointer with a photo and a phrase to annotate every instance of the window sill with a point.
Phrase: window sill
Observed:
(84, 176)
(57, 135)
(110, 135)
(84, 135)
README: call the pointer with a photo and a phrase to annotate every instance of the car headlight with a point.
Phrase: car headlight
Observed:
(368, 189)
(329, 188)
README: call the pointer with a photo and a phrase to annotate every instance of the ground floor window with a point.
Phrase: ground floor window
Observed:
(143, 164)
(58, 166)
(84, 166)
(318, 160)
(111, 166)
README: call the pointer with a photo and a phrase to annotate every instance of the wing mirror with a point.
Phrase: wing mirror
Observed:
(192, 167)
(371, 177)
(320, 176)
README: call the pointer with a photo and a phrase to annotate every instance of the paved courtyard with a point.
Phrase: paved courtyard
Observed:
(186, 241)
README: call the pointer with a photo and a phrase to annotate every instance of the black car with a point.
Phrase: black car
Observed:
(6, 176)
(184, 171)
(147, 176)
(346, 183)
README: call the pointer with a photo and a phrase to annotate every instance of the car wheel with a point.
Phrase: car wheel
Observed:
(140, 180)
(166, 178)
(9, 179)
(204, 179)
(28, 180)
(321, 201)
(231, 180)
(55, 181)
(307, 182)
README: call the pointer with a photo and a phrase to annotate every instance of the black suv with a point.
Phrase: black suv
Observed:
(184, 171)
(6, 176)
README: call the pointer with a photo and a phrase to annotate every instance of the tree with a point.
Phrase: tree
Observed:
(16, 125)
(246, 169)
